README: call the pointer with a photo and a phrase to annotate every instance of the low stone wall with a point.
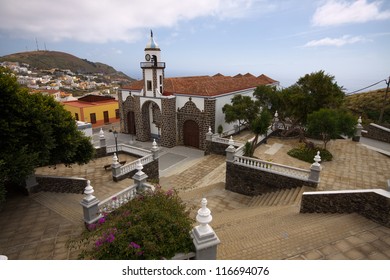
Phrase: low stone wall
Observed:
(100, 152)
(372, 204)
(251, 182)
(59, 184)
(150, 169)
(215, 148)
(377, 132)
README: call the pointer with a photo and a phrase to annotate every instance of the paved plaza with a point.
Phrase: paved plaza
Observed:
(265, 227)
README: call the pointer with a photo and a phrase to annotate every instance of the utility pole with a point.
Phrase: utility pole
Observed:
(384, 101)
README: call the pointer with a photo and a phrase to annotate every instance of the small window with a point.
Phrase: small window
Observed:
(149, 85)
(93, 117)
(76, 116)
(117, 113)
(160, 79)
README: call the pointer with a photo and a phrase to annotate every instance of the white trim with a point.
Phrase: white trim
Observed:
(378, 191)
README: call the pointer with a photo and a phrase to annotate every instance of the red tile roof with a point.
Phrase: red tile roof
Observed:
(207, 85)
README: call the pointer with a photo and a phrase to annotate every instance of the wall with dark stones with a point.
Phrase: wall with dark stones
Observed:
(168, 122)
(371, 205)
(59, 184)
(377, 133)
(251, 182)
(215, 148)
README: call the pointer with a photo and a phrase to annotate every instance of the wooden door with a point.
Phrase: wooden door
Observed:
(131, 123)
(106, 117)
(191, 134)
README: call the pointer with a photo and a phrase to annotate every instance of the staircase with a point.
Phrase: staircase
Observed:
(279, 198)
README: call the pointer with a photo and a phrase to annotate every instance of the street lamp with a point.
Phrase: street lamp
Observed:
(116, 143)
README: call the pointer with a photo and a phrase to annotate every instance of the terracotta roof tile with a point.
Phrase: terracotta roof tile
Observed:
(208, 85)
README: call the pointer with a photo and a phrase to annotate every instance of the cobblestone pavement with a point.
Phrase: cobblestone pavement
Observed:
(38, 226)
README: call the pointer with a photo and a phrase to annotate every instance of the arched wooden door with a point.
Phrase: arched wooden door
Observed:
(131, 123)
(191, 134)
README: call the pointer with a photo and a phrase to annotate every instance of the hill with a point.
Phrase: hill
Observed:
(45, 60)
(369, 104)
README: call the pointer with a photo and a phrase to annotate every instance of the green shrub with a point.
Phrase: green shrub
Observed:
(155, 225)
(307, 154)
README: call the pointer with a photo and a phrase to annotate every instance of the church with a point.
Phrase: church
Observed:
(179, 110)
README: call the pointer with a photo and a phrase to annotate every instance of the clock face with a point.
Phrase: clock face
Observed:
(147, 57)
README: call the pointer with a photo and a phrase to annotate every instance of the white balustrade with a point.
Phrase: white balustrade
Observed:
(127, 168)
(117, 200)
(128, 149)
(273, 167)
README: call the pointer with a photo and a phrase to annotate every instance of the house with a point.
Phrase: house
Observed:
(95, 109)
(179, 111)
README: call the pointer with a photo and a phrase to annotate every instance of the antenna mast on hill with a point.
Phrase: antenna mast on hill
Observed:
(45, 45)
(36, 42)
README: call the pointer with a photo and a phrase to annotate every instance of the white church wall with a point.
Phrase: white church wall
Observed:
(226, 99)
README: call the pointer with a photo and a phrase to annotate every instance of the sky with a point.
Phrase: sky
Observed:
(283, 39)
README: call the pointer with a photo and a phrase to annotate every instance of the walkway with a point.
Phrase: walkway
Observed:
(38, 226)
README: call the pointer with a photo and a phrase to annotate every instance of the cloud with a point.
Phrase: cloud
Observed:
(336, 42)
(110, 20)
(337, 12)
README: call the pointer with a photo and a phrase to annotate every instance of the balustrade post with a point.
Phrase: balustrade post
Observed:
(116, 168)
(102, 138)
(90, 205)
(315, 169)
(209, 134)
(140, 177)
(230, 151)
(203, 235)
(155, 150)
(358, 132)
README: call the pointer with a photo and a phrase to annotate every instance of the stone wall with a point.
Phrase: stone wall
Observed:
(377, 132)
(216, 148)
(124, 108)
(59, 184)
(372, 204)
(100, 152)
(251, 182)
(168, 119)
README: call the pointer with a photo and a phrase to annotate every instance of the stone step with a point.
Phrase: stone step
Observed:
(65, 204)
(280, 197)
(250, 235)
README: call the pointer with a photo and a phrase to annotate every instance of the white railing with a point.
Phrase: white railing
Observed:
(117, 200)
(225, 141)
(268, 166)
(127, 168)
(128, 149)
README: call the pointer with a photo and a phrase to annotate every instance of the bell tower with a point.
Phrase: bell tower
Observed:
(153, 69)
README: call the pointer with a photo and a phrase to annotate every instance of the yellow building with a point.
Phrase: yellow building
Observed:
(95, 109)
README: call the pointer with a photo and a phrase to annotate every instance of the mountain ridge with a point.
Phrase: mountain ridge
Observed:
(46, 60)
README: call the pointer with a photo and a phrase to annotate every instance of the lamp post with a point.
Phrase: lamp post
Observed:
(116, 143)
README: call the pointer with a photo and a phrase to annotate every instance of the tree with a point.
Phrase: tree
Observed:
(242, 109)
(259, 126)
(35, 130)
(330, 124)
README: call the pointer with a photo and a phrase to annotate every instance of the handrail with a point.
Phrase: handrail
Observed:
(129, 149)
(272, 167)
(117, 200)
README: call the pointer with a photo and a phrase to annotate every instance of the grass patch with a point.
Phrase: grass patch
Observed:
(306, 154)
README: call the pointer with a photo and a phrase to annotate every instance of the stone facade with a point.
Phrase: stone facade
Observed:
(168, 126)
(251, 182)
(204, 119)
(59, 184)
(125, 108)
(377, 132)
(369, 204)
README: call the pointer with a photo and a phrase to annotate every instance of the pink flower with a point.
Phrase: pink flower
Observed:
(134, 245)
(101, 221)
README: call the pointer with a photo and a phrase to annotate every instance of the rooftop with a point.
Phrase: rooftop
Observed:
(208, 85)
